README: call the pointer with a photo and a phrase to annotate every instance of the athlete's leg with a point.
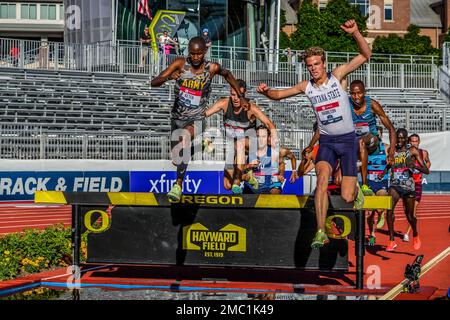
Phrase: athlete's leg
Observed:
(363, 156)
(323, 172)
(390, 214)
(409, 203)
(275, 191)
(240, 161)
(228, 178)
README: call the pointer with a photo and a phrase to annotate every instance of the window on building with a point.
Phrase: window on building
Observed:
(363, 6)
(28, 11)
(388, 10)
(7, 11)
(48, 11)
(61, 12)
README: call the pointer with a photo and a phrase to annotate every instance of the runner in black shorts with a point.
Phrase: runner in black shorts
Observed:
(402, 185)
(193, 76)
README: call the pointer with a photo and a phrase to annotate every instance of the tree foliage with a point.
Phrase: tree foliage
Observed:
(412, 43)
(322, 27)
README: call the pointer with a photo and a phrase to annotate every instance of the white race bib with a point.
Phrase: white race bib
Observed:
(329, 113)
(190, 97)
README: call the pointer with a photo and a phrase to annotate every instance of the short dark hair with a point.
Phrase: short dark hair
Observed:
(403, 130)
(358, 83)
(242, 84)
(197, 40)
(414, 135)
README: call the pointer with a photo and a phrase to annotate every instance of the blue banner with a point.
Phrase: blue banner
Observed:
(22, 185)
(198, 182)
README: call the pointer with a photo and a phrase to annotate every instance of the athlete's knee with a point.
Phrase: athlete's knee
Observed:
(322, 182)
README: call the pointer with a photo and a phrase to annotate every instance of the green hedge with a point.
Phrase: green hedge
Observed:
(35, 250)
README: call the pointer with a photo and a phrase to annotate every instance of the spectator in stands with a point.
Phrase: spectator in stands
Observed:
(406, 159)
(146, 41)
(14, 53)
(377, 162)
(337, 134)
(414, 140)
(207, 39)
(193, 76)
(266, 167)
(364, 113)
(238, 123)
(165, 43)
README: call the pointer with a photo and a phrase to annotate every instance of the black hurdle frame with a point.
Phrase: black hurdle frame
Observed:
(359, 241)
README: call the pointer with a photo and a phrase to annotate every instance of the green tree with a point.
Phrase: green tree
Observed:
(412, 43)
(322, 27)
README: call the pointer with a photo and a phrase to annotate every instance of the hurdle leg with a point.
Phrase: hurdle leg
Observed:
(359, 248)
(76, 245)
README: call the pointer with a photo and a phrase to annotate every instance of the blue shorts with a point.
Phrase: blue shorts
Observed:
(377, 186)
(263, 188)
(343, 147)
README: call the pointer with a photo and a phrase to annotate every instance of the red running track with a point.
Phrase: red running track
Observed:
(433, 226)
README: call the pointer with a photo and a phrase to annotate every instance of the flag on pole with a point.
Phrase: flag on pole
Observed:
(144, 9)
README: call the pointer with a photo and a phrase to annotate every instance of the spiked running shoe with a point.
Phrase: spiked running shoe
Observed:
(174, 194)
(320, 240)
(391, 246)
(366, 190)
(359, 201)
(371, 241)
(381, 220)
(207, 145)
(236, 189)
(252, 180)
(405, 237)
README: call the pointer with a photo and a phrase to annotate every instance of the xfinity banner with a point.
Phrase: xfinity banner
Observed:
(22, 185)
(195, 182)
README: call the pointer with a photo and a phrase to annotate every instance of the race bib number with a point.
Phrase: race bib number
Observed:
(191, 98)
(361, 128)
(401, 174)
(329, 113)
(374, 176)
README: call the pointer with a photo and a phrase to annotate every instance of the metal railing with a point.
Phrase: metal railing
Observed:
(402, 72)
(32, 142)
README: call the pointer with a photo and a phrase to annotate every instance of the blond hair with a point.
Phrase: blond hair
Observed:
(314, 51)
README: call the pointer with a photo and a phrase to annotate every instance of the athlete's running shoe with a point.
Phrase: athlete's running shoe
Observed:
(207, 145)
(371, 241)
(416, 243)
(366, 190)
(391, 246)
(320, 240)
(236, 189)
(175, 193)
(405, 238)
(381, 220)
(252, 180)
(359, 201)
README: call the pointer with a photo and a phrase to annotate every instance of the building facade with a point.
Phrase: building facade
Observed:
(32, 19)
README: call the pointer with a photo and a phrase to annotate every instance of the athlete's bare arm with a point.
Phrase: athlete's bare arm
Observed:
(414, 152)
(426, 158)
(378, 110)
(256, 111)
(216, 107)
(273, 94)
(172, 72)
(286, 153)
(217, 69)
(365, 53)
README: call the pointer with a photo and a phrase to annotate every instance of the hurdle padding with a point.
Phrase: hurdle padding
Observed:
(262, 231)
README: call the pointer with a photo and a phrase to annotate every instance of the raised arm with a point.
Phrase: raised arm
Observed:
(378, 110)
(365, 53)
(282, 93)
(421, 167)
(172, 72)
(216, 107)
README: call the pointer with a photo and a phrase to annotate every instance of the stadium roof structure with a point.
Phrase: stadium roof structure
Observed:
(423, 15)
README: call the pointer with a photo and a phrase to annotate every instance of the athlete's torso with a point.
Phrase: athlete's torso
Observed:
(266, 172)
(192, 92)
(331, 107)
(401, 174)
(366, 122)
(376, 164)
(238, 121)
